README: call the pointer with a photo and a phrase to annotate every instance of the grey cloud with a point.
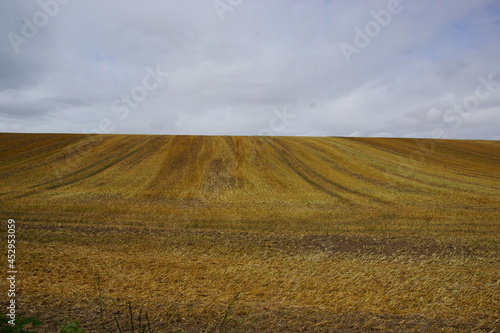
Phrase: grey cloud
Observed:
(228, 77)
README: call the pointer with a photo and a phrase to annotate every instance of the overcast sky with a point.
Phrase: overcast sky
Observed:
(252, 67)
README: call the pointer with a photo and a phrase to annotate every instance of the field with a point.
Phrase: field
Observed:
(254, 234)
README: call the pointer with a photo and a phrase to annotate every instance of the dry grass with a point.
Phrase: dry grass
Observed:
(256, 234)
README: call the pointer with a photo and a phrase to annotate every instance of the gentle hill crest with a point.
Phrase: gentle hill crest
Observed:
(180, 178)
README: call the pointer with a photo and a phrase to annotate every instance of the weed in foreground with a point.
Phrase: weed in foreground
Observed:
(20, 326)
(71, 326)
(136, 325)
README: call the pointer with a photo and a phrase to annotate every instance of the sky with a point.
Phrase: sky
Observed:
(389, 68)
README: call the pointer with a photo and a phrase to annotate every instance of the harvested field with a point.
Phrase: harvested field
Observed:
(255, 234)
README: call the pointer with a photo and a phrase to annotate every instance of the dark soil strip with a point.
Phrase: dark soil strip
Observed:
(289, 244)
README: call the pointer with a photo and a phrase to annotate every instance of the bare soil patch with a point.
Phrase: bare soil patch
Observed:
(385, 246)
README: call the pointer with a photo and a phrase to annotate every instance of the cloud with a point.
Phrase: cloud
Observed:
(230, 76)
